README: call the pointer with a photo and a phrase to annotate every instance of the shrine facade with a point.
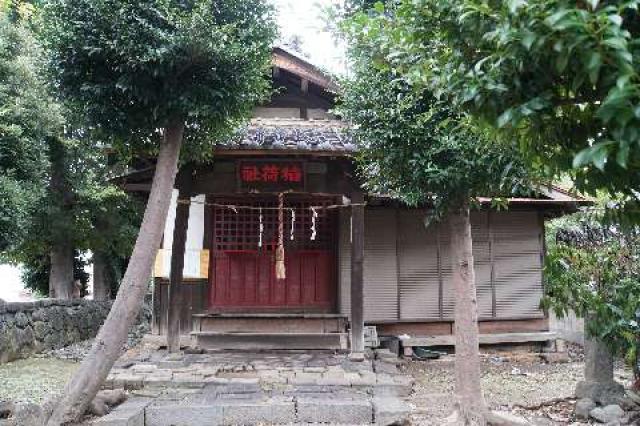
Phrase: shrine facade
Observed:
(282, 248)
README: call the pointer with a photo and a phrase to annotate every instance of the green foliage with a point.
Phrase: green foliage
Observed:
(27, 117)
(560, 77)
(592, 269)
(415, 145)
(33, 214)
(134, 67)
(84, 211)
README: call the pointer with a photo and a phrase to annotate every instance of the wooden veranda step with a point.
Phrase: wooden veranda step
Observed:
(269, 323)
(209, 340)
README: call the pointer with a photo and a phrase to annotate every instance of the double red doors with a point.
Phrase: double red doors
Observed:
(242, 275)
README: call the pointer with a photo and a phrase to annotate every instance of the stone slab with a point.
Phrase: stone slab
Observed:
(129, 413)
(259, 413)
(389, 411)
(334, 410)
(183, 415)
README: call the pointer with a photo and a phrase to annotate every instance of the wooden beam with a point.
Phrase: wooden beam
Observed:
(184, 182)
(485, 339)
(357, 276)
(137, 187)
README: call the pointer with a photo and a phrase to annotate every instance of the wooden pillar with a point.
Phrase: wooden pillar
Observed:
(357, 277)
(184, 183)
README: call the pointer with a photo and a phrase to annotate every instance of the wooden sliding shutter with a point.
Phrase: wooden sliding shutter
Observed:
(482, 262)
(380, 264)
(408, 269)
(418, 267)
(344, 261)
(517, 263)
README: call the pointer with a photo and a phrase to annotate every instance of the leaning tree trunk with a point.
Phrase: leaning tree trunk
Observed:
(86, 382)
(470, 404)
(61, 272)
(101, 287)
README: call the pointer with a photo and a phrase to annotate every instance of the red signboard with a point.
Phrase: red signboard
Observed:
(269, 176)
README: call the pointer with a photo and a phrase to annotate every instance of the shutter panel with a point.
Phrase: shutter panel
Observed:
(448, 294)
(380, 265)
(482, 262)
(344, 262)
(517, 264)
(418, 267)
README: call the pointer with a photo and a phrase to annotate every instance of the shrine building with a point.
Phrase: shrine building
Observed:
(283, 249)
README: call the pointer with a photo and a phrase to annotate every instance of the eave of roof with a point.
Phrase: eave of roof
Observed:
(294, 63)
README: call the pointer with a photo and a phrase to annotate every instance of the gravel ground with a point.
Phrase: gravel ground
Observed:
(507, 384)
(33, 379)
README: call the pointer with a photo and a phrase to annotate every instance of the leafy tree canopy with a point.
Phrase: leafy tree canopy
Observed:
(557, 76)
(415, 145)
(28, 116)
(592, 269)
(140, 66)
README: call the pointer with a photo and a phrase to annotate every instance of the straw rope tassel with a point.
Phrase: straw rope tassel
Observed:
(281, 273)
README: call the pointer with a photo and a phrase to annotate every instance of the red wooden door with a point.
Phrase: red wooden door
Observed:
(242, 272)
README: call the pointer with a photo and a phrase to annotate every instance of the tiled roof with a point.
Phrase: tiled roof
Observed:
(291, 134)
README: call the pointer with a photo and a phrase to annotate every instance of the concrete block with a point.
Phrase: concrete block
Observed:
(334, 410)
(333, 381)
(389, 411)
(183, 415)
(258, 413)
(157, 379)
(302, 378)
(365, 378)
(128, 381)
(130, 413)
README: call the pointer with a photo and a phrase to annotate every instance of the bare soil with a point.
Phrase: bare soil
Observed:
(521, 384)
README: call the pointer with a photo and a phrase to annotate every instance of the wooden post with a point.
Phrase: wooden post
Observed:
(357, 278)
(184, 183)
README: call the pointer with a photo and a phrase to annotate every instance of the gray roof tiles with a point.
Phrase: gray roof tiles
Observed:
(295, 135)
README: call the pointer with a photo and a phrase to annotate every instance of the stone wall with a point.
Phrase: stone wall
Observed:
(31, 327)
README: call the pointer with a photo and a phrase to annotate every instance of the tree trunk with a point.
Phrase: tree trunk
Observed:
(598, 383)
(61, 272)
(471, 406)
(101, 287)
(85, 383)
(61, 256)
(598, 362)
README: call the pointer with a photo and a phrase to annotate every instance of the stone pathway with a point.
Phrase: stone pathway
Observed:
(235, 388)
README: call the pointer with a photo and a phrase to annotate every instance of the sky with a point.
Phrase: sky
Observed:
(304, 18)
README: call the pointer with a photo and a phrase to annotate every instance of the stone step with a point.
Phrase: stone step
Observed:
(327, 409)
(209, 340)
(270, 323)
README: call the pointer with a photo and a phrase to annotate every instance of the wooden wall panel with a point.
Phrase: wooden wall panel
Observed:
(195, 301)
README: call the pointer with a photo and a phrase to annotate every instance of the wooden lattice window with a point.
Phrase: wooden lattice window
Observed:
(240, 230)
